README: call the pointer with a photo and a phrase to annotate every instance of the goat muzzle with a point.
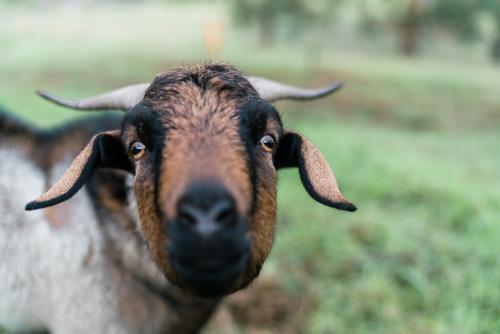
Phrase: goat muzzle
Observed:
(209, 245)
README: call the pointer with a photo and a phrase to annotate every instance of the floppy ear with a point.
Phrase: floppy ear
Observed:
(104, 150)
(294, 150)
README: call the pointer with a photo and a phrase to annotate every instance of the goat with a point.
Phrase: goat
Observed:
(179, 208)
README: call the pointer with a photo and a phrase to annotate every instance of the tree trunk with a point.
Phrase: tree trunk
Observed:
(266, 29)
(409, 27)
(408, 34)
(495, 50)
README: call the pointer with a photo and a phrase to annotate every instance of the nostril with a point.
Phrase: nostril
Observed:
(190, 215)
(225, 213)
(205, 208)
(186, 218)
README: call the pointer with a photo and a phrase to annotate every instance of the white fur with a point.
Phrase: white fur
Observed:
(61, 279)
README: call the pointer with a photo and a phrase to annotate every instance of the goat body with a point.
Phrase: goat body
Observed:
(180, 194)
(92, 274)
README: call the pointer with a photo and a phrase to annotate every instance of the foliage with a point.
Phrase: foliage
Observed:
(295, 14)
(460, 16)
(410, 17)
(456, 15)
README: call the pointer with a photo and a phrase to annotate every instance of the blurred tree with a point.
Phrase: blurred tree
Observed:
(410, 17)
(495, 50)
(296, 15)
(459, 16)
(493, 8)
(410, 24)
(407, 17)
(265, 14)
(455, 15)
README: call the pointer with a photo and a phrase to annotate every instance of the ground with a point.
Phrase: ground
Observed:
(415, 144)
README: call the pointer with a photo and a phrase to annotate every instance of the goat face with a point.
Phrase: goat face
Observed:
(204, 145)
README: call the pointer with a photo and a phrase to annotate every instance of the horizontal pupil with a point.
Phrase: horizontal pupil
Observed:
(137, 148)
(268, 141)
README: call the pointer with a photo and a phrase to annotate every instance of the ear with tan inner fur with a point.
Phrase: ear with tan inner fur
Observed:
(104, 150)
(295, 150)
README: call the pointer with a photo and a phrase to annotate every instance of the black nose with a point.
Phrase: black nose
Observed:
(206, 209)
(209, 247)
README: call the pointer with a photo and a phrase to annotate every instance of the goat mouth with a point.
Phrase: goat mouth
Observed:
(211, 277)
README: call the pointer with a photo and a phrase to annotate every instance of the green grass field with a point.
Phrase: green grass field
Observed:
(415, 144)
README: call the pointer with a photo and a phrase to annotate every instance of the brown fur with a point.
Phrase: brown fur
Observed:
(199, 108)
(201, 114)
(197, 123)
(187, 314)
(262, 228)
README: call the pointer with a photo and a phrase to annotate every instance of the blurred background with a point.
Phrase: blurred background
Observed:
(413, 138)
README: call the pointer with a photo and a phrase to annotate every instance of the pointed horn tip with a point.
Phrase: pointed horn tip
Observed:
(48, 96)
(335, 87)
(323, 92)
(41, 93)
(59, 100)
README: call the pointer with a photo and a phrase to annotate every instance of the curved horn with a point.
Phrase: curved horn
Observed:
(122, 99)
(273, 91)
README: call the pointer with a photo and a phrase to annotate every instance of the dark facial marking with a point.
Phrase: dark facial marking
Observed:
(151, 133)
(146, 123)
(210, 113)
(254, 117)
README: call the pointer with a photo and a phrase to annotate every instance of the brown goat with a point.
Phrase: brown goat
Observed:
(203, 145)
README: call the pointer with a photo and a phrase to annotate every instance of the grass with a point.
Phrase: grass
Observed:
(421, 253)
(414, 143)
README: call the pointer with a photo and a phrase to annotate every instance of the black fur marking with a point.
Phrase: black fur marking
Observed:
(147, 124)
(158, 155)
(84, 128)
(152, 133)
(289, 155)
(287, 152)
(88, 126)
(246, 134)
(12, 126)
(107, 152)
(44, 141)
(254, 115)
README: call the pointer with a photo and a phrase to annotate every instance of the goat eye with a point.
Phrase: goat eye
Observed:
(137, 150)
(267, 143)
